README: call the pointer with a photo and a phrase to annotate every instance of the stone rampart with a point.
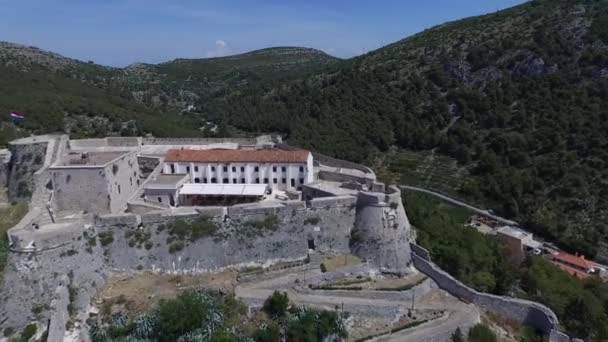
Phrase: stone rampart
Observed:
(340, 177)
(117, 220)
(523, 311)
(87, 143)
(26, 159)
(123, 141)
(335, 201)
(245, 237)
(333, 162)
(381, 231)
(197, 141)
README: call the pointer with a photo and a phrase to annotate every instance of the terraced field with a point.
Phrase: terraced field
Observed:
(425, 169)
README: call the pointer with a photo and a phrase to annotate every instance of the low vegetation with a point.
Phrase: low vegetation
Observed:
(199, 228)
(270, 222)
(211, 316)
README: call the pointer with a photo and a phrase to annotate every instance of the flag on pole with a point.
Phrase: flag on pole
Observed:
(18, 116)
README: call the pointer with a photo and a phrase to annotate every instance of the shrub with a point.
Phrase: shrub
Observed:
(277, 304)
(8, 331)
(312, 220)
(148, 245)
(270, 332)
(28, 332)
(106, 238)
(186, 313)
(176, 247)
(323, 268)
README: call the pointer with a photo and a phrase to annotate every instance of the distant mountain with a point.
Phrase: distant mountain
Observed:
(519, 97)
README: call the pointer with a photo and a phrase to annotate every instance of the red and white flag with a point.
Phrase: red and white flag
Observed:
(17, 115)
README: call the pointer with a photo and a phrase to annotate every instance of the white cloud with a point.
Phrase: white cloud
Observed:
(219, 50)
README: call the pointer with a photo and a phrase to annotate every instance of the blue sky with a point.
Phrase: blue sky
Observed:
(121, 32)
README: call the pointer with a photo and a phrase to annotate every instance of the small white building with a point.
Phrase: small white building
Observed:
(278, 169)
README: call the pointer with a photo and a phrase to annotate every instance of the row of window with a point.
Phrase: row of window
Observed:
(234, 168)
(242, 181)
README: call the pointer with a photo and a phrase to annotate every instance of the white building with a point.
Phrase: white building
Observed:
(278, 169)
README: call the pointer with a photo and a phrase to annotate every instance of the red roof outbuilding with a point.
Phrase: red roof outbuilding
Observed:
(573, 260)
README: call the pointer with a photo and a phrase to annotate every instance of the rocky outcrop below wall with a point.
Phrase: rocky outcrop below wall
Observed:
(242, 237)
(518, 310)
(31, 281)
(26, 159)
(59, 313)
(381, 231)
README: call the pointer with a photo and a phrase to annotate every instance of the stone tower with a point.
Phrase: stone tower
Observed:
(381, 231)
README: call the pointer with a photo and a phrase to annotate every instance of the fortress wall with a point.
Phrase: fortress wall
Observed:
(331, 176)
(87, 143)
(335, 201)
(333, 162)
(237, 241)
(381, 232)
(117, 220)
(197, 141)
(141, 208)
(123, 141)
(123, 180)
(523, 311)
(26, 159)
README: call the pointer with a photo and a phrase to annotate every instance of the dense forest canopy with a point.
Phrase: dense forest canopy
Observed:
(519, 97)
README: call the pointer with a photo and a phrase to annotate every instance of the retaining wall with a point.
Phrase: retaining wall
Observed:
(523, 311)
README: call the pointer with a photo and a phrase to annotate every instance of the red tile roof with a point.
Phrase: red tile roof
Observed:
(573, 260)
(237, 156)
(573, 271)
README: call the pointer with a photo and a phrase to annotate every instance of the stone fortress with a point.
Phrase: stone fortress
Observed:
(84, 191)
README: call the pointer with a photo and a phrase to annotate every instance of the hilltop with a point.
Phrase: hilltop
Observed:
(517, 97)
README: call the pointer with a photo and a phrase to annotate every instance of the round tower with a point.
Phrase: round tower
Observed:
(381, 232)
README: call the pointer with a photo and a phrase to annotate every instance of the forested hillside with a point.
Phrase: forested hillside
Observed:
(85, 99)
(518, 97)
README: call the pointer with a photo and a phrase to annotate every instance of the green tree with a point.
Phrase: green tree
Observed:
(277, 304)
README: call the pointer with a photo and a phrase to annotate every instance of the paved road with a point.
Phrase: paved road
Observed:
(460, 204)
(457, 314)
